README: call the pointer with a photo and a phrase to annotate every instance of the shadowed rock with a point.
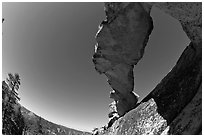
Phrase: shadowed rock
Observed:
(189, 120)
(174, 106)
(121, 40)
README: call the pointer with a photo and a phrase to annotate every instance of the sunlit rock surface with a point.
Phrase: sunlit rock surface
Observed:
(139, 121)
(174, 106)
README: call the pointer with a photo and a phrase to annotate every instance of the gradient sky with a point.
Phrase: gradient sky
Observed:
(51, 45)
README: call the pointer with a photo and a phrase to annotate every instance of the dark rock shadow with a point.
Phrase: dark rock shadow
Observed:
(179, 86)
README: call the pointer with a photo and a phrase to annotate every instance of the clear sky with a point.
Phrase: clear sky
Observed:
(51, 45)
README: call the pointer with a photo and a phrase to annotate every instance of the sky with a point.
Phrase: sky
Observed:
(51, 45)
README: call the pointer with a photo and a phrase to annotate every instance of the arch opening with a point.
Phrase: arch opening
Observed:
(166, 44)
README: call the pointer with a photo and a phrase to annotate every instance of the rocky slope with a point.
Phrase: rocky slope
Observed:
(35, 125)
(175, 105)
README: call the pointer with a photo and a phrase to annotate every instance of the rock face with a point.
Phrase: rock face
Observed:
(189, 15)
(138, 122)
(189, 120)
(120, 45)
(175, 105)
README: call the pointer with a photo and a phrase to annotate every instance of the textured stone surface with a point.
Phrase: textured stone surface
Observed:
(189, 121)
(179, 86)
(169, 102)
(120, 45)
(142, 120)
(174, 106)
(189, 14)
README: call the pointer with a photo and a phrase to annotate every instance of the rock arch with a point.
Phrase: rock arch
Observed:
(121, 41)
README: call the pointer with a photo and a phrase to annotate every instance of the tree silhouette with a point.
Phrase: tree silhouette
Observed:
(14, 83)
(12, 118)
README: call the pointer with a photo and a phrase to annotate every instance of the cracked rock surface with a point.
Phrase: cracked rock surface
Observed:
(174, 106)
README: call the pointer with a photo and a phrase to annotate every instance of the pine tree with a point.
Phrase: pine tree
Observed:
(12, 118)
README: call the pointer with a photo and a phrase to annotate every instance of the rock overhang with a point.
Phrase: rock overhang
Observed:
(122, 38)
